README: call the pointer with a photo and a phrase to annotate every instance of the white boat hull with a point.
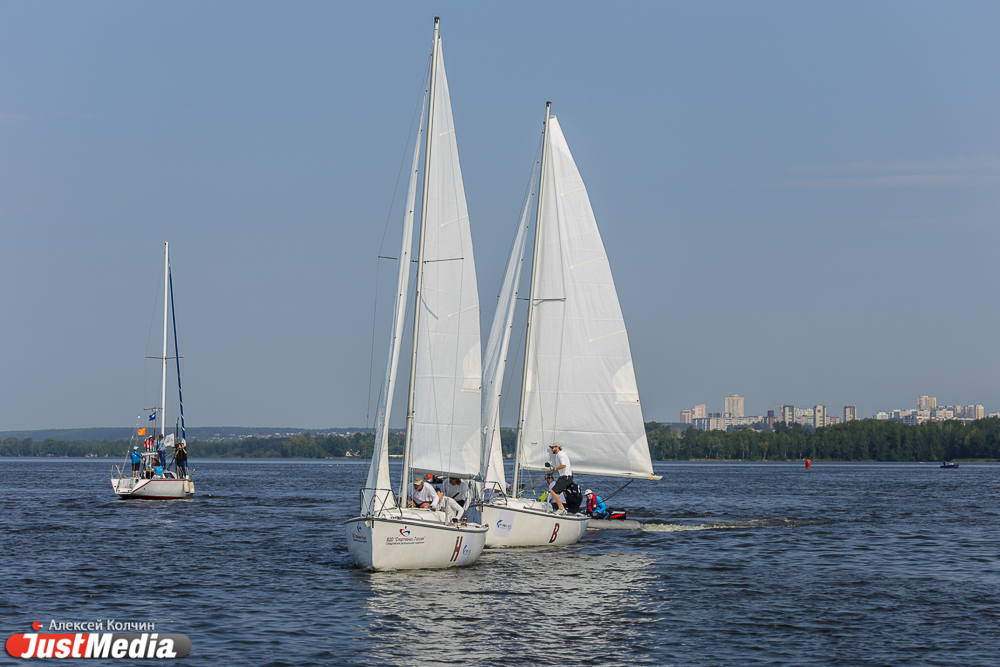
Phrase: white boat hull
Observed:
(410, 540)
(519, 522)
(152, 489)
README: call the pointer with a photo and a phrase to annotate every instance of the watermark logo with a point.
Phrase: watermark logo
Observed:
(89, 640)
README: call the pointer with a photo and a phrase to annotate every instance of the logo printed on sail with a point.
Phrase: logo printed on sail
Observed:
(403, 531)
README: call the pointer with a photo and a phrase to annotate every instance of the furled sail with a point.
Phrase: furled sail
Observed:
(580, 389)
(377, 494)
(448, 369)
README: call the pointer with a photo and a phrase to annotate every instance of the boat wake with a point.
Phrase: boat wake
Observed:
(720, 525)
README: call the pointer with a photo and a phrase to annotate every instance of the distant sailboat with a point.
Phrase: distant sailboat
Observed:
(578, 385)
(442, 421)
(169, 485)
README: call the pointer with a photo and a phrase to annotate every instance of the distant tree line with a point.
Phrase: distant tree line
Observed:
(861, 440)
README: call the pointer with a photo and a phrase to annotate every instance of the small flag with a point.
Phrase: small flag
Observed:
(152, 416)
(142, 431)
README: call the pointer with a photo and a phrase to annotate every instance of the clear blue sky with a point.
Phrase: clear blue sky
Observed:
(800, 200)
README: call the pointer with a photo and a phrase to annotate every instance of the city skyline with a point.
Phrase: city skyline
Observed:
(817, 416)
(789, 194)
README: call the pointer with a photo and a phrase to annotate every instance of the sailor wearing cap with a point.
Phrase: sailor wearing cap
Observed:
(422, 494)
(562, 468)
(136, 459)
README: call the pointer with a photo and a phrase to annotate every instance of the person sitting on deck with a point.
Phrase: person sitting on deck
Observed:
(455, 489)
(421, 494)
(452, 510)
(595, 505)
(158, 471)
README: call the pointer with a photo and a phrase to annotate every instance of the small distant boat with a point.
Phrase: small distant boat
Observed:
(945, 464)
(145, 484)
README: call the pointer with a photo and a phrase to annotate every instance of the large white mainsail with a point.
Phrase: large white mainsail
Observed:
(579, 383)
(446, 406)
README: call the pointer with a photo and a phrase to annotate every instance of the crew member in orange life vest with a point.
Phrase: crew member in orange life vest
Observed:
(595, 505)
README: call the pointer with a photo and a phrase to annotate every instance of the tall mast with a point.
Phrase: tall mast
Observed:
(404, 486)
(531, 303)
(163, 363)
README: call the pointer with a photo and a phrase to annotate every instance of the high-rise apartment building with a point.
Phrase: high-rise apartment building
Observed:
(734, 405)
(687, 416)
(926, 403)
(850, 413)
(788, 414)
(974, 412)
(819, 416)
(699, 412)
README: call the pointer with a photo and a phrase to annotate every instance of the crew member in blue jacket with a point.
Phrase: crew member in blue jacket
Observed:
(136, 460)
(595, 505)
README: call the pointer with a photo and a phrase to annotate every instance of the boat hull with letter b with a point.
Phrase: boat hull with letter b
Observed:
(523, 522)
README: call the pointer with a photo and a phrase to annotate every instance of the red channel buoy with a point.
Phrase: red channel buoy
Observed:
(809, 464)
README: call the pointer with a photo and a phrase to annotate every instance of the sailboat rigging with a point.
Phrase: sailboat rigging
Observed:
(578, 385)
(443, 400)
(151, 478)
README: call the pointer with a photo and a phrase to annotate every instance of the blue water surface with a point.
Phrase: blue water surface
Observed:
(738, 564)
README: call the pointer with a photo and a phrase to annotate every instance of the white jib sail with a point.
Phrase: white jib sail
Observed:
(580, 388)
(497, 345)
(377, 493)
(448, 369)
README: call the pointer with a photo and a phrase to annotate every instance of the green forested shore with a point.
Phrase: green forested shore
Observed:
(861, 440)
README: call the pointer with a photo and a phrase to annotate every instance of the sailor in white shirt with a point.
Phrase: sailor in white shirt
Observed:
(452, 510)
(422, 494)
(456, 489)
(562, 468)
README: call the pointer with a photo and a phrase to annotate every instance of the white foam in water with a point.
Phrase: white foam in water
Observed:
(719, 525)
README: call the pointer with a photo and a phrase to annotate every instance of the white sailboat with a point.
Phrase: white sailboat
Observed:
(168, 484)
(578, 385)
(442, 421)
